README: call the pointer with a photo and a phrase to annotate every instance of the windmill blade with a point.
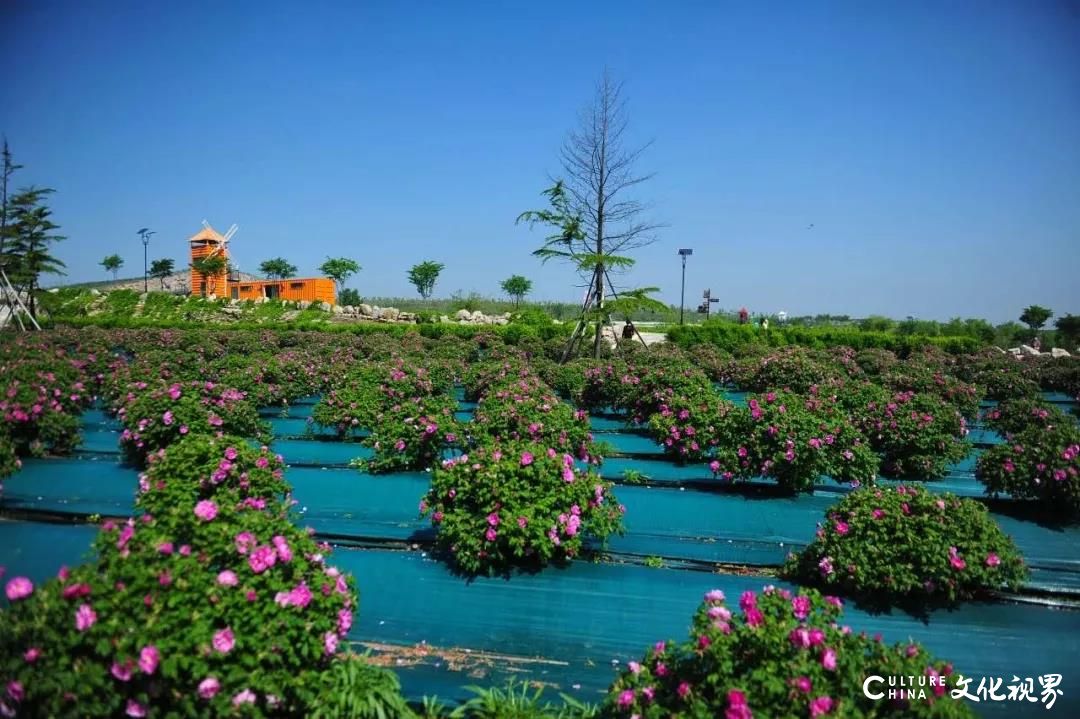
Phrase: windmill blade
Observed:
(231, 232)
(206, 224)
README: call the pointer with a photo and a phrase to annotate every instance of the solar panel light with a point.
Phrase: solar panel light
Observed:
(684, 252)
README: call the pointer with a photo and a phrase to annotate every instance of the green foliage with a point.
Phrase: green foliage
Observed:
(411, 434)
(1041, 462)
(917, 434)
(211, 267)
(28, 237)
(782, 656)
(424, 275)
(160, 269)
(732, 336)
(518, 701)
(9, 462)
(278, 268)
(1068, 327)
(112, 263)
(894, 545)
(339, 269)
(190, 613)
(155, 418)
(517, 505)
(349, 296)
(353, 689)
(516, 287)
(1035, 317)
(797, 440)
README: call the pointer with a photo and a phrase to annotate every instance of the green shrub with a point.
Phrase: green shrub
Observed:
(781, 656)
(917, 435)
(1040, 463)
(516, 504)
(797, 440)
(153, 419)
(219, 604)
(9, 462)
(906, 543)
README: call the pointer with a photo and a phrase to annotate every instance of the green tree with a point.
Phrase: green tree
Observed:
(517, 287)
(161, 269)
(424, 275)
(1035, 317)
(29, 238)
(349, 296)
(112, 263)
(277, 268)
(9, 168)
(211, 268)
(877, 323)
(1068, 327)
(339, 269)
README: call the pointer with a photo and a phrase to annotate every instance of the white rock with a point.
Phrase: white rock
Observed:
(325, 306)
(391, 313)
(1029, 350)
(463, 315)
(365, 309)
(1059, 352)
(338, 310)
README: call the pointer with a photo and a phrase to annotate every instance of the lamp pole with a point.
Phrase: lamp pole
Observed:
(144, 233)
(684, 253)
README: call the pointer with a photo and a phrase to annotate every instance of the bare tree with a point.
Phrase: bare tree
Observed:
(599, 220)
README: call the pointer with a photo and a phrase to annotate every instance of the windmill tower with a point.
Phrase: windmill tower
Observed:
(208, 244)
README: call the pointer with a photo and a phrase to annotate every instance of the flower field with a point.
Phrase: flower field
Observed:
(216, 523)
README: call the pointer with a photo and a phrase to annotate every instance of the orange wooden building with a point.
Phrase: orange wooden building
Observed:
(208, 243)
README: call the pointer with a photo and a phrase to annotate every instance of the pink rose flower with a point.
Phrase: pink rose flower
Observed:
(224, 641)
(209, 687)
(149, 658)
(206, 510)
(85, 616)
(19, 588)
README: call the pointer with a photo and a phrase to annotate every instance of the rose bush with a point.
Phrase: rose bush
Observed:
(41, 401)
(155, 418)
(517, 505)
(917, 435)
(797, 440)
(903, 543)
(699, 426)
(777, 655)
(526, 409)
(412, 434)
(217, 606)
(1022, 415)
(1041, 463)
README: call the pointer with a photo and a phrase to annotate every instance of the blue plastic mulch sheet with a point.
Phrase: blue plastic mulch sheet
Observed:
(574, 627)
(37, 551)
(730, 524)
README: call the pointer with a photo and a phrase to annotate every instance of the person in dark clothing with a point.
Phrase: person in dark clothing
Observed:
(628, 330)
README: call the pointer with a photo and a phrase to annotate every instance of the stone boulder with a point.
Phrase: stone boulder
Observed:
(463, 316)
(391, 313)
(1029, 350)
(326, 307)
(1059, 352)
(364, 309)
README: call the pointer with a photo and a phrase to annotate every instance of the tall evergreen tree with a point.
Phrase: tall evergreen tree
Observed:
(30, 236)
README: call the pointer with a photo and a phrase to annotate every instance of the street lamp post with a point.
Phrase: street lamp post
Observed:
(684, 253)
(144, 233)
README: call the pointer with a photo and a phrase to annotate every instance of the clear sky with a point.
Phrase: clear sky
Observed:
(934, 146)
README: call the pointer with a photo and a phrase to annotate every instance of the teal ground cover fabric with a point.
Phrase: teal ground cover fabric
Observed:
(569, 626)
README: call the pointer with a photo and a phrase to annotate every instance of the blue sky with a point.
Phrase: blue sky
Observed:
(934, 146)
